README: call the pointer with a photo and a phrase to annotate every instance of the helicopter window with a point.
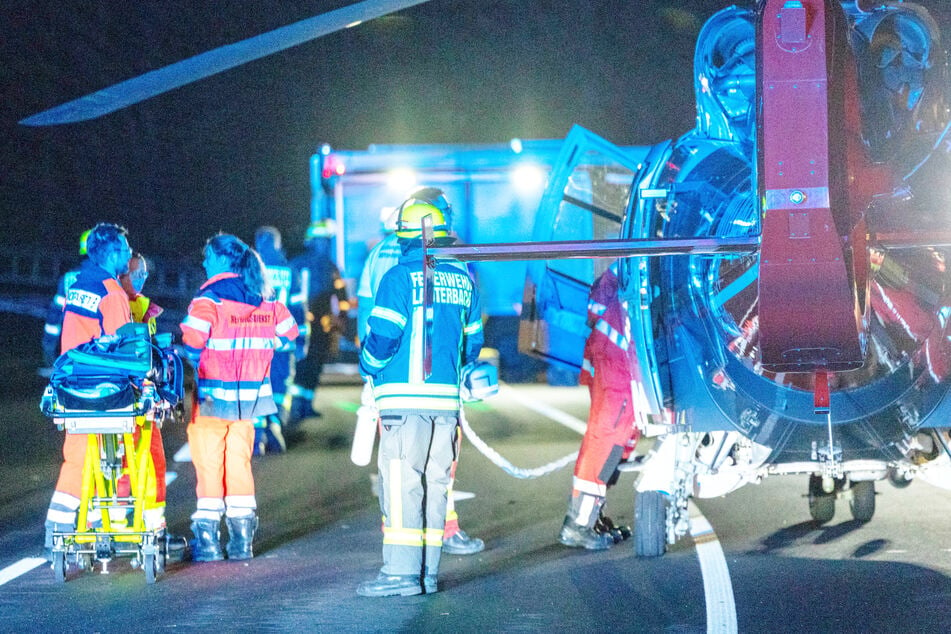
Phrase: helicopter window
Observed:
(593, 206)
(725, 67)
(901, 86)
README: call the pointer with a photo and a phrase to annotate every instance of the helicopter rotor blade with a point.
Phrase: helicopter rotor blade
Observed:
(204, 65)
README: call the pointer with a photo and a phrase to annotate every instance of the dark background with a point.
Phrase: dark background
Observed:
(231, 152)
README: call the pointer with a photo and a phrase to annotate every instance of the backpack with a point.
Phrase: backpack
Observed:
(108, 373)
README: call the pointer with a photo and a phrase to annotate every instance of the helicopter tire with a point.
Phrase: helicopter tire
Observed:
(821, 504)
(898, 480)
(650, 524)
(862, 503)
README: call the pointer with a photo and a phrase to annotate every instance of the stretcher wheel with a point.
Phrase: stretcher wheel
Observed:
(59, 566)
(162, 559)
(150, 566)
(84, 561)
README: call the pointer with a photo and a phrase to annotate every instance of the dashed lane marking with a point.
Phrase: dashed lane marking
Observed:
(23, 566)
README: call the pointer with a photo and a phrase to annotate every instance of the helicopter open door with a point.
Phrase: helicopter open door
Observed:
(591, 194)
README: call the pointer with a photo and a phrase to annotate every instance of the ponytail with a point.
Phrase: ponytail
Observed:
(251, 269)
(244, 261)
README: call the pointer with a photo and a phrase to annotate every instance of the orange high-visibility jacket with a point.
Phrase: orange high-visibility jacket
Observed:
(233, 334)
(96, 305)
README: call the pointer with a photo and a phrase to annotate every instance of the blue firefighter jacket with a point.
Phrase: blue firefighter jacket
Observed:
(393, 351)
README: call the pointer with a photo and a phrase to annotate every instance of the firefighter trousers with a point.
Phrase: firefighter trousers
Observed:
(415, 460)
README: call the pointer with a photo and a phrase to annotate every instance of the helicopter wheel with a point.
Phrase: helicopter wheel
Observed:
(897, 479)
(650, 524)
(862, 504)
(821, 504)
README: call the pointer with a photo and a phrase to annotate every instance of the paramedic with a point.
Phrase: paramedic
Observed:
(230, 334)
(611, 433)
(95, 305)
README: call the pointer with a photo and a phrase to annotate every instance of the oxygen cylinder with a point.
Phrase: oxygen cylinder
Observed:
(364, 435)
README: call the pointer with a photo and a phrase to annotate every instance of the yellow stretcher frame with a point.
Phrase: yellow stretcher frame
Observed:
(111, 453)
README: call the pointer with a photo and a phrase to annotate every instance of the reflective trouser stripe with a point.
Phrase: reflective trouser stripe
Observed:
(452, 518)
(63, 507)
(299, 391)
(420, 445)
(240, 505)
(584, 508)
(209, 509)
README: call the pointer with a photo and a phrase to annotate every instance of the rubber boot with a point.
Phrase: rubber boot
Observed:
(206, 546)
(240, 535)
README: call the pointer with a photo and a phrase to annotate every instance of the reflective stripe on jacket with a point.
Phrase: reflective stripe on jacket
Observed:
(393, 351)
(96, 305)
(234, 334)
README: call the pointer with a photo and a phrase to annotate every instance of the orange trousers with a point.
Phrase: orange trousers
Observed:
(74, 457)
(221, 453)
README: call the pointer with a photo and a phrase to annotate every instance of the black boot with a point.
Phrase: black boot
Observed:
(206, 546)
(240, 535)
(607, 526)
(578, 536)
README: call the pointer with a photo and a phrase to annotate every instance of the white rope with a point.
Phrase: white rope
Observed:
(506, 466)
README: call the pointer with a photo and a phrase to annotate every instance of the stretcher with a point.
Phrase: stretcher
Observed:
(139, 386)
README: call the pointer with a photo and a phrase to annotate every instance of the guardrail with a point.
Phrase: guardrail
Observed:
(33, 270)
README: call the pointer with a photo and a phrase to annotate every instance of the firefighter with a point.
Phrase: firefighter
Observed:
(229, 336)
(419, 416)
(611, 433)
(54, 315)
(95, 305)
(384, 255)
(325, 295)
(285, 283)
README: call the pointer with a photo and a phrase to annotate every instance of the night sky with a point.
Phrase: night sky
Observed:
(231, 152)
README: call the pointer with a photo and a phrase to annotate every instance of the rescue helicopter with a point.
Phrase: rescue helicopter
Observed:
(783, 263)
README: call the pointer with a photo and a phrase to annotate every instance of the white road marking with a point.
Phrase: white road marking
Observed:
(717, 587)
(184, 454)
(556, 415)
(23, 566)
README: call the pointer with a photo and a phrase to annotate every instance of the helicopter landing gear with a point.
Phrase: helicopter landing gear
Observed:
(821, 502)
(650, 523)
(862, 503)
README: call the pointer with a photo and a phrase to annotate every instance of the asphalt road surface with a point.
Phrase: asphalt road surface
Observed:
(319, 538)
